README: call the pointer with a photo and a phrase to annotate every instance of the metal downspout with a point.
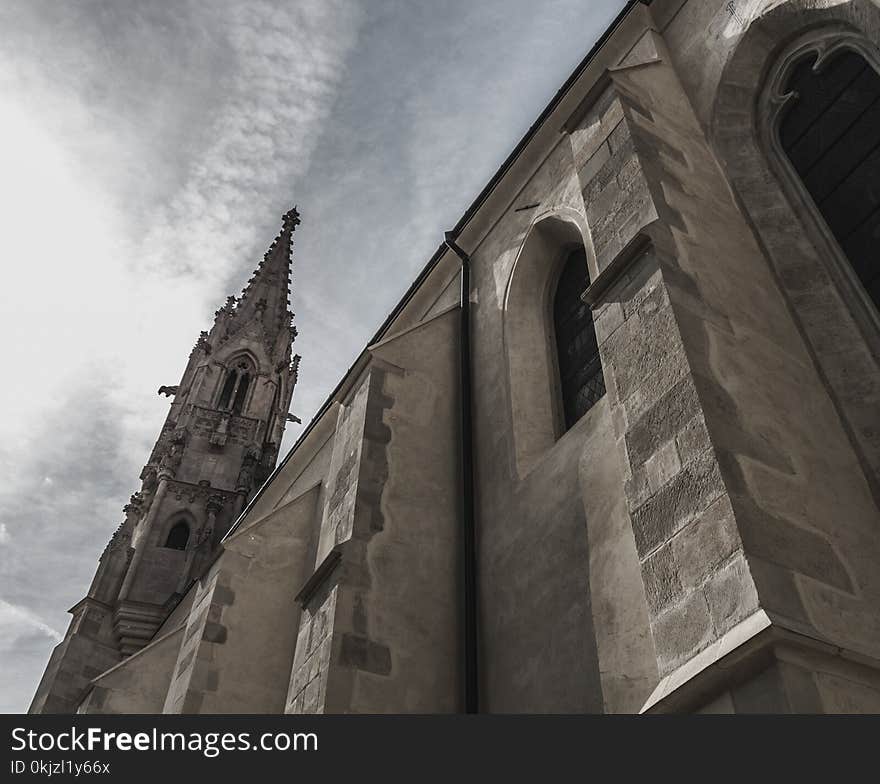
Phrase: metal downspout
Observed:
(469, 543)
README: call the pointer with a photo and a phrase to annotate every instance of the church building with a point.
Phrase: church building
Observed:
(616, 450)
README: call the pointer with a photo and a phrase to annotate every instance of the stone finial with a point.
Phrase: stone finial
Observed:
(202, 343)
(290, 219)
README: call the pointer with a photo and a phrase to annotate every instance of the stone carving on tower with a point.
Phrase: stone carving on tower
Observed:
(220, 441)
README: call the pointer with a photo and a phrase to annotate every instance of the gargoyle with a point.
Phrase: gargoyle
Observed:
(168, 391)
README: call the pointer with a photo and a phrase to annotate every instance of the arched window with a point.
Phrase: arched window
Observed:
(235, 387)
(580, 368)
(178, 536)
(830, 131)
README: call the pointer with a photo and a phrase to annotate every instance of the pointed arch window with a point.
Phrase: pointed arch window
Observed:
(178, 536)
(829, 130)
(580, 367)
(233, 393)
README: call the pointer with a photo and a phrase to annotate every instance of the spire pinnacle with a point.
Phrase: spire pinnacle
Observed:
(265, 297)
(290, 219)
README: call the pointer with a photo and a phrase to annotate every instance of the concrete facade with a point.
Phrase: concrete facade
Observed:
(704, 539)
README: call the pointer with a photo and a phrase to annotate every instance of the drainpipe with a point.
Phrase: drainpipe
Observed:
(469, 539)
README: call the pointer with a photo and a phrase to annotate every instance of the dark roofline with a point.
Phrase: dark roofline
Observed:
(458, 229)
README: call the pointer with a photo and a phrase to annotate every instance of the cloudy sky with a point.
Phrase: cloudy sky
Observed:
(148, 151)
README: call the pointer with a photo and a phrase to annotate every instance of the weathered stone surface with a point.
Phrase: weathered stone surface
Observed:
(703, 538)
(795, 547)
(667, 511)
(682, 630)
(364, 654)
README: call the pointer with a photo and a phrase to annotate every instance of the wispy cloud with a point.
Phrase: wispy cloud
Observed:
(16, 622)
(25, 639)
(288, 62)
(52, 534)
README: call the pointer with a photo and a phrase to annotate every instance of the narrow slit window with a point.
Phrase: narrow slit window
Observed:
(830, 132)
(580, 367)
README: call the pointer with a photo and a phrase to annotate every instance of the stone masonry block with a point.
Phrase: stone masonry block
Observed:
(223, 595)
(365, 654)
(666, 512)
(651, 298)
(609, 320)
(637, 488)
(705, 543)
(693, 439)
(681, 631)
(215, 613)
(214, 632)
(595, 163)
(639, 349)
(662, 465)
(596, 126)
(662, 584)
(830, 331)
(620, 138)
(629, 173)
(730, 595)
(663, 421)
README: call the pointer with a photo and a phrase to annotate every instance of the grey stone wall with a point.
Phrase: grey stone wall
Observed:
(548, 642)
(140, 683)
(238, 645)
(713, 313)
(388, 554)
(704, 538)
(842, 338)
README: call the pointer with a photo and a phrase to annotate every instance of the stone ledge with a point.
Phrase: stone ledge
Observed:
(91, 602)
(325, 568)
(743, 651)
(595, 294)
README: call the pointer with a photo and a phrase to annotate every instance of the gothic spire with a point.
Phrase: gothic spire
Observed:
(265, 297)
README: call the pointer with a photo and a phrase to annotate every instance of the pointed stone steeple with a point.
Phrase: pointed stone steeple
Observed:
(265, 297)
(219, 442)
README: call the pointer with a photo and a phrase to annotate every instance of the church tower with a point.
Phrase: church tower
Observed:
(218, 444)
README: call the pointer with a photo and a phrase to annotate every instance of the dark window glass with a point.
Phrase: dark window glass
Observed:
(580, 367)
(228, 387)
(244, 381)
(831, 134)
(178, 536)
